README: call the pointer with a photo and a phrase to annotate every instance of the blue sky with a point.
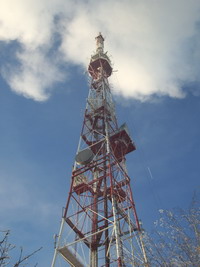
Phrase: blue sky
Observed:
(43, 91)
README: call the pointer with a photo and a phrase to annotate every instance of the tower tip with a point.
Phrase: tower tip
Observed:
(99, 43)
(100, 36)
(100, 60)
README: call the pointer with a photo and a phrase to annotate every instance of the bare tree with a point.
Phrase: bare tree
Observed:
(6, 249)
(176, 240)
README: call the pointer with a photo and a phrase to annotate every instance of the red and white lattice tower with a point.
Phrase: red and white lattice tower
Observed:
(100, 226)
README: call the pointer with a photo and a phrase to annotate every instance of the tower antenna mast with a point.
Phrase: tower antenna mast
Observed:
(100, 226)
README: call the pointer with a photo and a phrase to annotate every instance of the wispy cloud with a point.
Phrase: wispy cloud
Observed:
(20, 200)
(36, 74)
(154, 45)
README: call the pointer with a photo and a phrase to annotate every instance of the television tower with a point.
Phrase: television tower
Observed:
(100, 226)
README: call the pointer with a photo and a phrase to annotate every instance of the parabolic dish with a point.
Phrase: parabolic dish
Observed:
(84, 156)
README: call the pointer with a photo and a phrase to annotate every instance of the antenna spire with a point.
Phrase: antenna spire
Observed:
(99, 43)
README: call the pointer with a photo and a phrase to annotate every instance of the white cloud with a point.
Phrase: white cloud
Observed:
(154, 44)
(36, 74)
(25, 21)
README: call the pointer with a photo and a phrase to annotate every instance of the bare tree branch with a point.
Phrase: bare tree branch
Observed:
(5, 252)
(22, 259)
(176, 241)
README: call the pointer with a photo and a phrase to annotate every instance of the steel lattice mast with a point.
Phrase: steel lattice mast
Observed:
(99, 225)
